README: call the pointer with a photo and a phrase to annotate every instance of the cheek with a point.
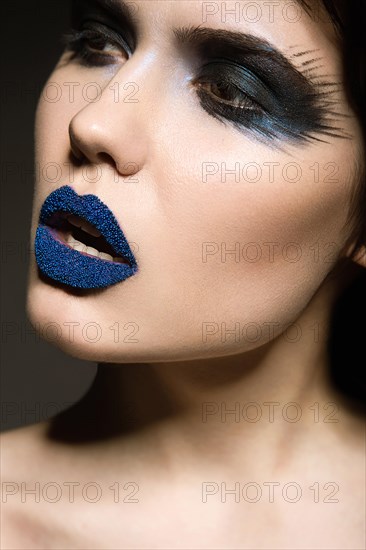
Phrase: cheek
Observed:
(52, 162)
(53, 116)
(256, 247)
(247, 246)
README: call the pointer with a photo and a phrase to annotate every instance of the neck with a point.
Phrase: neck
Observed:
(273, 393)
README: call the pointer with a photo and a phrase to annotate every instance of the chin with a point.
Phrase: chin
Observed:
(156, 345)
(86, 327)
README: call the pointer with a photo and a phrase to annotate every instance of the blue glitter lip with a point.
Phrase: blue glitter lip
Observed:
(66, 265)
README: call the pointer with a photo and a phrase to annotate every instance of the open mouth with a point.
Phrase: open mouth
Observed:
(78, 234)
(80, 243)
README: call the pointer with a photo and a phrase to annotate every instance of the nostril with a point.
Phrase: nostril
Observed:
(77, 159)
(77, 155)
(107, 159)
(76, 152)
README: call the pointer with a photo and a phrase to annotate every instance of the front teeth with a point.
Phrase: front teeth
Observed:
(92, 251)
(84, 225)
(104, 255)
(81, 247)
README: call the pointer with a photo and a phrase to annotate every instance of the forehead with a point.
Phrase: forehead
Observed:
(270, 15)
(291, 26)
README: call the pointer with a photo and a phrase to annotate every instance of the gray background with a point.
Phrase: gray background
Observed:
(37, 380)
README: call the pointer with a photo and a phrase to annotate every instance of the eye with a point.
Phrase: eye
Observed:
(231, 91)
(96, 45)
(226, 93)
(96, 42)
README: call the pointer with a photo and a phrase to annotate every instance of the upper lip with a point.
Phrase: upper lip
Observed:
(93, 210)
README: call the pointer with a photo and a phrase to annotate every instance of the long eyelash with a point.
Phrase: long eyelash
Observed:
(322, 103)
(76, 41)
(250, 103)
(326, 97)
(73, 40)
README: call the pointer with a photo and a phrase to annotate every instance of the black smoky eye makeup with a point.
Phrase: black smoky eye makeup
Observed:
(247, 82)
(257, 91)
(269, 105)
(95, 45)
(233, 90)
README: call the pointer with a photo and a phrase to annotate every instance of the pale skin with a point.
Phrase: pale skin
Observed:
(158, 403)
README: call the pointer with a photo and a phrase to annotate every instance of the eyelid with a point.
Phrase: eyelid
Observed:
(240, 76)
(107, 32)
(247, 103)
(80, 43)
(115, 15)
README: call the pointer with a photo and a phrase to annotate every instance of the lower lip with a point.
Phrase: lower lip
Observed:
(66, 265)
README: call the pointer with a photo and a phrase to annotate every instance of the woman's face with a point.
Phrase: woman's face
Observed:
(227, 161)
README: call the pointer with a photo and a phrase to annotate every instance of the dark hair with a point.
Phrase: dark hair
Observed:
(349, 20)
(346, 342)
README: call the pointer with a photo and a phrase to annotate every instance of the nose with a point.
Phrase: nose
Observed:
(112, 128)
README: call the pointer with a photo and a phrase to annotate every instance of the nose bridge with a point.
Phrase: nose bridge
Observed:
(116, 123)
(133, 83)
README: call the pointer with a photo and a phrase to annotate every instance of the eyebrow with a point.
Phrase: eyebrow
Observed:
(238, 41)
(192, 36)
(211, 42)
(119, 8)
(245, 47)
(106, 10)
(292, 84)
